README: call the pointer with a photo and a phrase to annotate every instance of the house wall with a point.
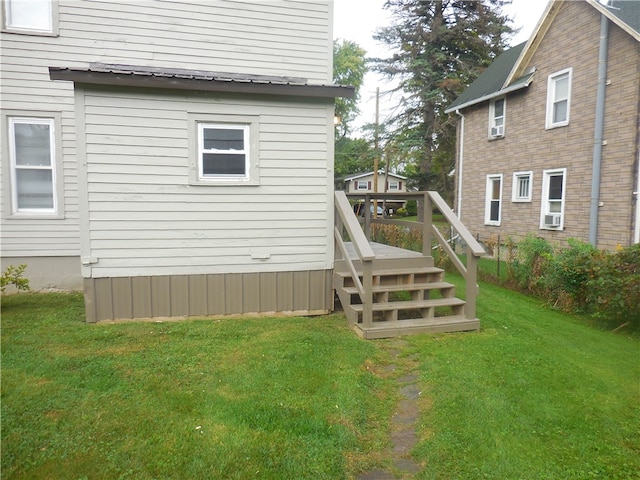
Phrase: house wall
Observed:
(145, 218)
(572, 41)
(278, 37)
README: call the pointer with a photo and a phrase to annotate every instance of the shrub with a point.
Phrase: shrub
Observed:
(412, 208)
(402, 212)
(530, 265)
(615, 287)
(570, 272)
(13, 276)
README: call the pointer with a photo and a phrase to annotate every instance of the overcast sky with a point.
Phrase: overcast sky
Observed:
(357, 20)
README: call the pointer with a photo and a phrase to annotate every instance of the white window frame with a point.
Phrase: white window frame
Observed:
(362, 185)
(552, 99)
(394, 185)
(250, 127)
(489, 199)
(9, 120)
(13, 26)
(516, 192)
(497, 124)
(545, 205)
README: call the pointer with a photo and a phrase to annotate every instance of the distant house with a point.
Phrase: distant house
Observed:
(363, 183)
(171, 159)
(548, 139)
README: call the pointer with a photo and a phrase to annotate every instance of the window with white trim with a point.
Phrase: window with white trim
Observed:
(522, 183)
(493, 200)
(559, 98)
(32, 155)
(224, 150)
(497, 110)
(553, 199)
(29, 16)
(360, 185)
(393, 186)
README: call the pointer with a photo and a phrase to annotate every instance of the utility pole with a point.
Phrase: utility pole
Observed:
(376, 160)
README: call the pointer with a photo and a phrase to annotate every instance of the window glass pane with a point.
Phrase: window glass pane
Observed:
(223, 139)
(30, 14)
(523, 187)
(499, 108)
(214, 164)
(34, 188)
(562, 87)
(33, 144)
(495, 195)
(555, 207)
(495, 211)
(555, 187)
(560, 111)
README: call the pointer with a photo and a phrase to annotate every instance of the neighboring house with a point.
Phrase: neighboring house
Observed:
(171, 158)
(363, 183)
(548, 136)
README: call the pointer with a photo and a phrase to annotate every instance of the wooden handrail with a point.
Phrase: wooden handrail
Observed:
(353, 228)
(363, 249)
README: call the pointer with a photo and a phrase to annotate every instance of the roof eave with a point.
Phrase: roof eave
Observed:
(491, 96)
(211, 85)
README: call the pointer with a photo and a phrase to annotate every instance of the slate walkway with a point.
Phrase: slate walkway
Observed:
(403, 425)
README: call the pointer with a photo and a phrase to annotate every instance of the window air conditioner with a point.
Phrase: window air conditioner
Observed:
(497, 131)
(552, 220)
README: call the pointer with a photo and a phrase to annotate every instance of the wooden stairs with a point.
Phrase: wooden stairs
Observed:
(409, 295)
(387, 291)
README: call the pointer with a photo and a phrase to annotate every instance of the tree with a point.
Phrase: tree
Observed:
(349, 68)
(353, 155)
(440, 47)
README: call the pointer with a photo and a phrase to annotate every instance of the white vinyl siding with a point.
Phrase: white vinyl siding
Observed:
(553, 199)
(252, 37)
(147, 218)
(559, 98)
(493, 200)
(497, 116)
(522, 185)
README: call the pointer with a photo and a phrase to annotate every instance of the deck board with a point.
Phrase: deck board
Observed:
(383, 251)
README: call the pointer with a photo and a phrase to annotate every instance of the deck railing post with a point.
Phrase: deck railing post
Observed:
(427, 221)
(367, 301)
(367, 217)
(471, 281)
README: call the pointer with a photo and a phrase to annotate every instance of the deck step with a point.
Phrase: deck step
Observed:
(453, 323)
(393, 271)
(411, 304)
(403, 287)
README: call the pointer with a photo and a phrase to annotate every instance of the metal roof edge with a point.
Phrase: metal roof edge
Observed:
(207, 81)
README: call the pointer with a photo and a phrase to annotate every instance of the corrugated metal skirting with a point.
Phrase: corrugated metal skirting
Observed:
(289, 293)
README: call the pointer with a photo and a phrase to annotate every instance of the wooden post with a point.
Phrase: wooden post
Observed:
(367, 301)
(427, 222)
(367, 217)
(471, 281)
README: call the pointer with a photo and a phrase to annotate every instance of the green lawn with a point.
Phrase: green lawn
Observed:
(536, 394)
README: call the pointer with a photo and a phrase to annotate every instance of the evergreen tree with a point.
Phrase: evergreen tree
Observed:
(440, 47)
